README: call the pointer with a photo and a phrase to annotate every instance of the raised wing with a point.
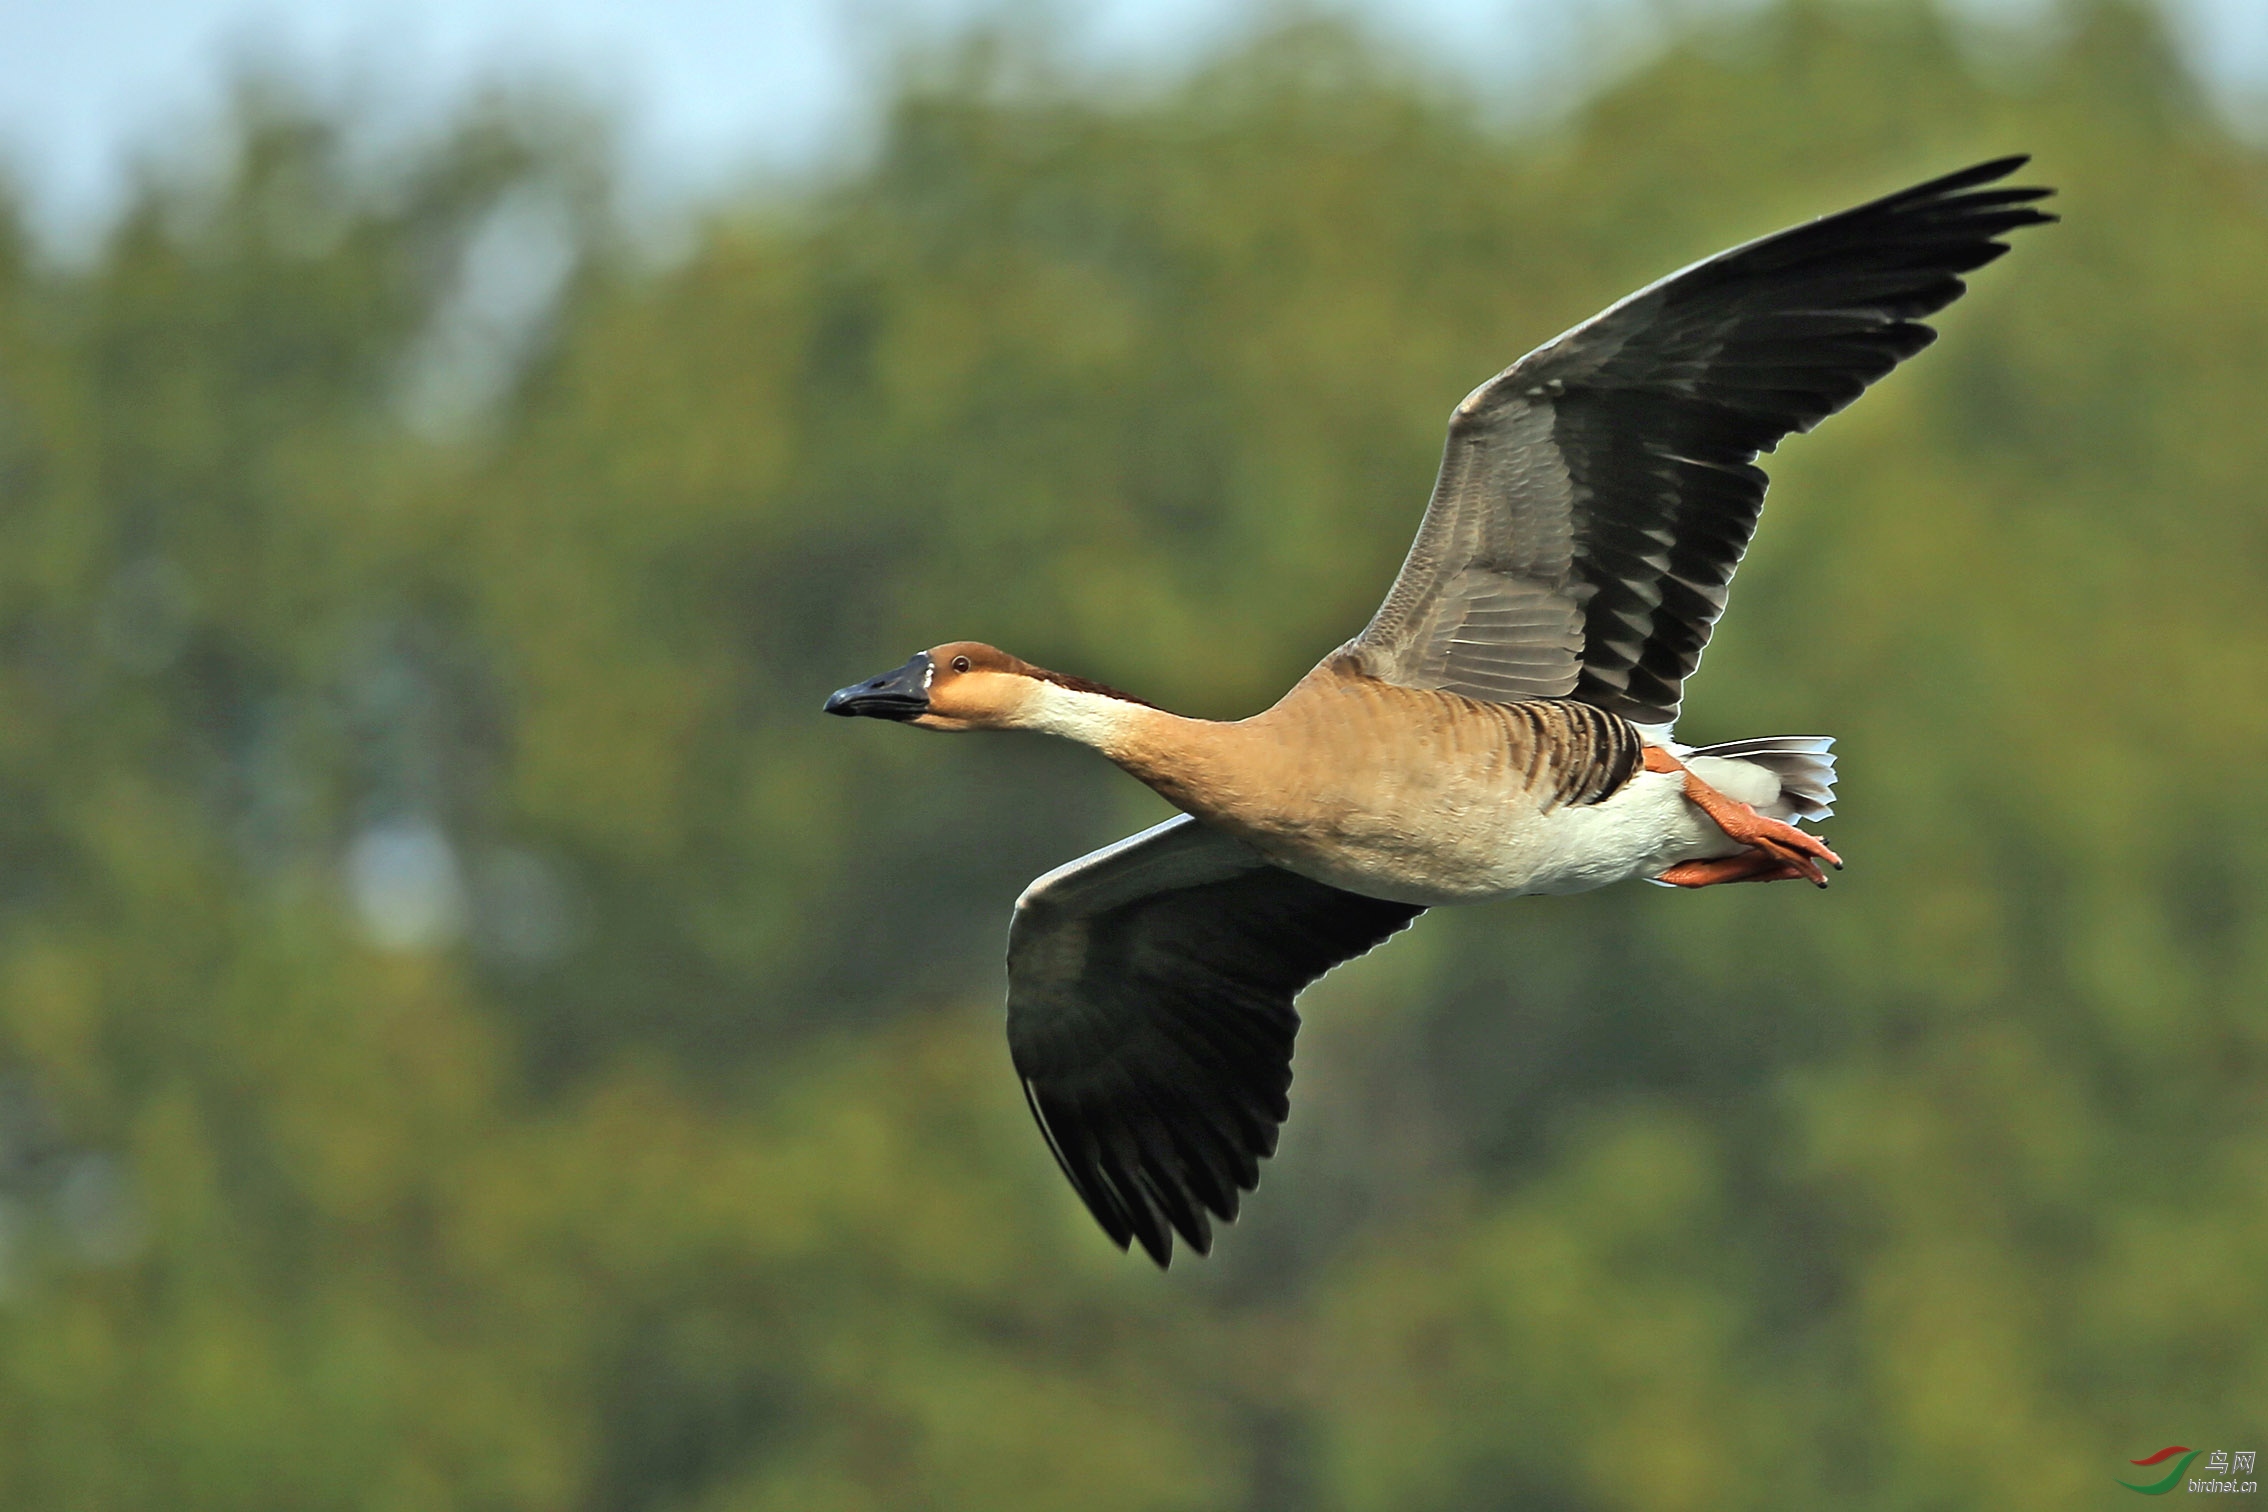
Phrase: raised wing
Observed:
(1595, 496)
(1150, 990)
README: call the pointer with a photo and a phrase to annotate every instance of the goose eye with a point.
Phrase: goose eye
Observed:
(960, 664)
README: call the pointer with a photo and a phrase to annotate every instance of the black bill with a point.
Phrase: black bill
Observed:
(903, 694)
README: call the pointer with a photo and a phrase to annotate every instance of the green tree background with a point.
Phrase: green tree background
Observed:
(472, 1037)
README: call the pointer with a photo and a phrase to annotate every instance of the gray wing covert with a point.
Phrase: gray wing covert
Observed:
(1150, 1018)
(1595, 497)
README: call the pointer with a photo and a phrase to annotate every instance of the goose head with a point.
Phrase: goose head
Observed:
(968, 685)
(961, 685)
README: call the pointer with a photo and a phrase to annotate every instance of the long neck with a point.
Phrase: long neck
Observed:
(1177, 756)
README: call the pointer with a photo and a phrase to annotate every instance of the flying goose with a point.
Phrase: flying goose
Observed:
(1501, 727)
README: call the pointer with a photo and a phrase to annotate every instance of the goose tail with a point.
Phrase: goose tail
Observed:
(1803, 765)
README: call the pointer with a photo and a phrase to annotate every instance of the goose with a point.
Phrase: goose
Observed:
(1501, 727)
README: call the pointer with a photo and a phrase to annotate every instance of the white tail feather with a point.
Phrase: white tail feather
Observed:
(1804, 765)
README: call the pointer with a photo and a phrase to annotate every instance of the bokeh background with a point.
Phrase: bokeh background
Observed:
(472, 1036)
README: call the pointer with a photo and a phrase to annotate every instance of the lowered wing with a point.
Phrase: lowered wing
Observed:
(1150, 1016)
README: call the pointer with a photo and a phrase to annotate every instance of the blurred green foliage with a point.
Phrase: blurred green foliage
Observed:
(472, 1037)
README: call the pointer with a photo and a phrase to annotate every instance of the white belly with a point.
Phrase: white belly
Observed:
(1642, 831)
(1487, 851)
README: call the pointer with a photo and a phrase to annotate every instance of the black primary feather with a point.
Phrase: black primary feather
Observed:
(1595, 497)
(1150, 1017)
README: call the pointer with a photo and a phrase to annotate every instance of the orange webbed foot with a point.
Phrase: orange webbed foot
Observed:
(1748, 866)
(1777, 850)
(1782, 842)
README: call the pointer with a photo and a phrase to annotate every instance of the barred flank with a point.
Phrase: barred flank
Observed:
(1573, 752)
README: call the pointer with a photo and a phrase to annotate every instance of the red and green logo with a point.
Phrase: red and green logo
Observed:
(2173, 1476)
